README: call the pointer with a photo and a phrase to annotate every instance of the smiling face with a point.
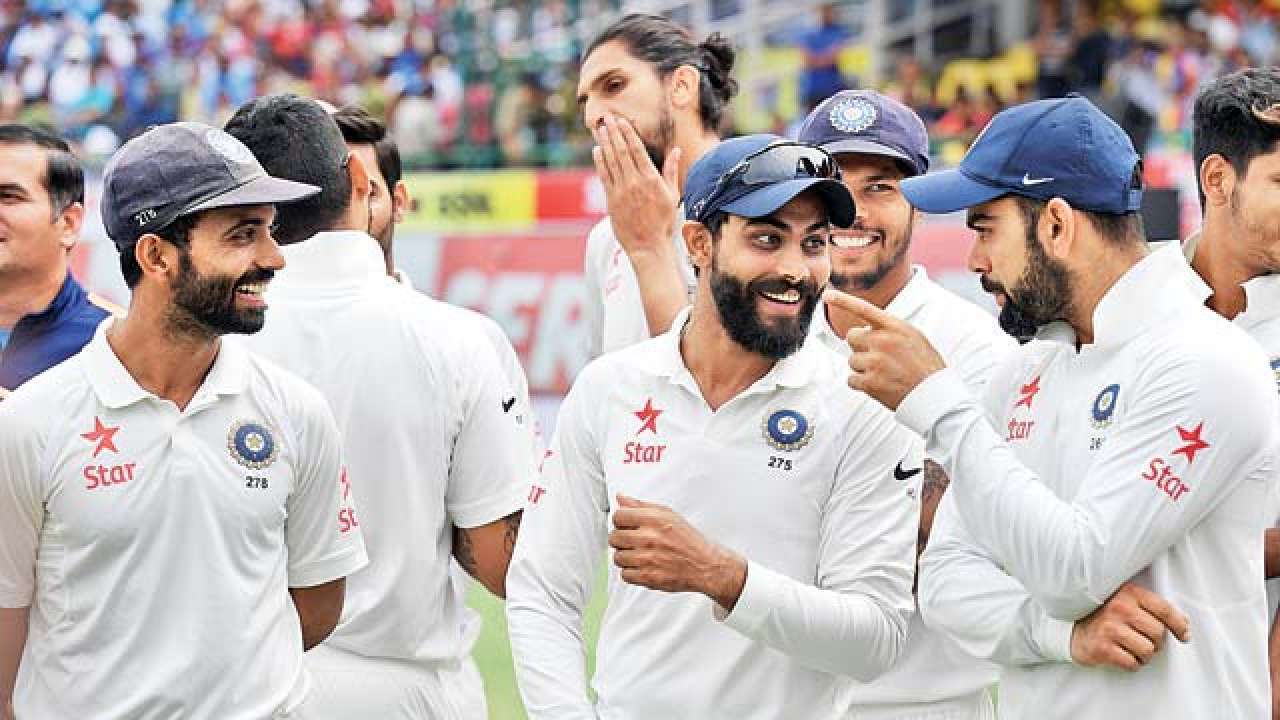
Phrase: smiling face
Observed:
(223, 271)
(614, 82)
(33, 237)
(863, 256)
(767, 275)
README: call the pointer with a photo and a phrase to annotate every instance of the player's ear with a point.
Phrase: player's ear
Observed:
(1057, 230)
(699, 244)
(1217, 181)
(683, 87)
(69, 222)
(361, 186)
(399, 202)
(155, 255)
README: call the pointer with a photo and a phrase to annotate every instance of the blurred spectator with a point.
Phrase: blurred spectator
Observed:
(822, 45)
(520, 121)
(1052, 44)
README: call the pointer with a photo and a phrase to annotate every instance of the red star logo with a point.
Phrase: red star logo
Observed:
(104, 436)
(649, 415)
(1028, 393)
(1193, 442)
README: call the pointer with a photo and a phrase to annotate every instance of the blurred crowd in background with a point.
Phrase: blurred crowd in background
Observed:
(481, 84)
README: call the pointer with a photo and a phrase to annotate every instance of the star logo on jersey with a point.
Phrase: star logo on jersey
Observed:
(252, 445)
(103, 437)
(648, 417)
(1027, 393)
(1193, 442)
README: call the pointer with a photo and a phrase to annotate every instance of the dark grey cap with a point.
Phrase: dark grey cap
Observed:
(181, 168)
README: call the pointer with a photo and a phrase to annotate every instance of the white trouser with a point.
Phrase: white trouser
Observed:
(346, 686)
(977, 706)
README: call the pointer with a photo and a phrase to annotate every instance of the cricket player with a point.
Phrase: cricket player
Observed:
(878, 142)
(762, 519)
(653, 98)
(389, 202)
(45, 315)
(433, 436)
(1236, 253)
(1129, 445)
(173, 534)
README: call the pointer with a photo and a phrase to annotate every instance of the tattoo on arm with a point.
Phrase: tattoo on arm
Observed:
(463, 551)
(511, 531)
(935, 480)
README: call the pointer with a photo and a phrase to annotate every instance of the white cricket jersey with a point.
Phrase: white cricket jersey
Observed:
(613, 309)
(1261, 319)
(808, 480)
(1144, 456)
(434, 437)
(155, 546)
(933, 668)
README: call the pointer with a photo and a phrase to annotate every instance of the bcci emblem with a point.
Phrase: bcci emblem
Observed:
(1275, 368)
(1104, 406)
(853, 115)
(787, 430)
(251, 445)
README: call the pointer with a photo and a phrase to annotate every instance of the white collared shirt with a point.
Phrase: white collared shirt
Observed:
(434, 435)
(155, 546)
(798, 473)
(933, 668)
(1144, 456)
(613, 309)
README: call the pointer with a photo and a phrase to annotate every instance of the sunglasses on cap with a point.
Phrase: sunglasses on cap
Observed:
(776, 163)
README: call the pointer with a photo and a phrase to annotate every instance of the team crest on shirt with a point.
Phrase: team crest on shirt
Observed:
(252, 445)
(1104, 406)
(1275, 369)
(787, 430)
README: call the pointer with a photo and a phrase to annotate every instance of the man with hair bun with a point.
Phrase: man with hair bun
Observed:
(654, 99)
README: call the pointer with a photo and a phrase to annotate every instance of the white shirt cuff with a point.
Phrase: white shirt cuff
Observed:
(935, 396)
(757, 600)
(1055, 639)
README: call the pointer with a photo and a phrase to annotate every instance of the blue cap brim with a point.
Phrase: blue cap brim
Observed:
(766, 201)
(947, 191)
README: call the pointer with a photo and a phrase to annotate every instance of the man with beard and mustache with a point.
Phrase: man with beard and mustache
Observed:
(763, 516)
(878, 142)
(652, 98)
(1122, 456)
(172, 503)
(442, 454)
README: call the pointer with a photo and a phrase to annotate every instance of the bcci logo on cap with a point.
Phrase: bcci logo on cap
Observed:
(1104, 406)
(787, 430)
(228, 147)
(853, 115)
(252, 445)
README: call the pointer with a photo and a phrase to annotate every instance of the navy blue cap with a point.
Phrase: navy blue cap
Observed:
(866, 122)
(703, 195)
(181, 168)
(1064, 147)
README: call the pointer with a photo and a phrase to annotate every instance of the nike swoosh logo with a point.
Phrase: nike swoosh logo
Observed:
(899, 474)
(1028, 180)
(508, 404)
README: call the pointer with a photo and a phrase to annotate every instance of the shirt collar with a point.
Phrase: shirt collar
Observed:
(335, 258)
(909, 299)
(662, 358)
(116, 387)
(1138, 300)
(1262, 294)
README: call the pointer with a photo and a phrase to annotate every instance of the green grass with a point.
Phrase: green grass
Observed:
(493, 652)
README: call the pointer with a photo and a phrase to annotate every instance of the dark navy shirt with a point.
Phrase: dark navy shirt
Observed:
(44, 339)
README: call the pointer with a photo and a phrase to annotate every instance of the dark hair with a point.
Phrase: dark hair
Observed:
(1115, 228)
(295, 139)
(63, 174)
(666, 45)
(360, 127)
(177, 232)
(1237, 116)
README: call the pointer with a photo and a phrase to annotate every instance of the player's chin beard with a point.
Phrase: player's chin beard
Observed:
(204, 306)
(736, 305)
(1041, 296)
(861, 282)
(664, 138)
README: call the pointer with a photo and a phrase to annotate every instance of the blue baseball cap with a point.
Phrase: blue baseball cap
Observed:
(1064, 147)
(754, 175)
(866, 122)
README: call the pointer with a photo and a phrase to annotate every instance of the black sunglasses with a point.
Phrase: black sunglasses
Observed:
(776, 163)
